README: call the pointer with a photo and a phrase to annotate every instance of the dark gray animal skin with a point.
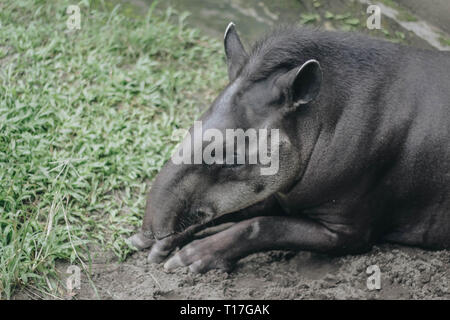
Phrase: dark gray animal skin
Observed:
(364, 154)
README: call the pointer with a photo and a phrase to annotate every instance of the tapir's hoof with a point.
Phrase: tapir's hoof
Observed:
(159, 252)
(140, 242)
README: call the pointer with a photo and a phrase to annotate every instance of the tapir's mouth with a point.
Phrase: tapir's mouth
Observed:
(189, 230)
(200, 226)
(186, 232)
(159, 238)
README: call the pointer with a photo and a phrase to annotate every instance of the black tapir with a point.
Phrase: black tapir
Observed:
(363, 149)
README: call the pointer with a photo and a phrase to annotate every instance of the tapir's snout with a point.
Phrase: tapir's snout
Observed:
(165, 204)
(164, 210)
(161, 219)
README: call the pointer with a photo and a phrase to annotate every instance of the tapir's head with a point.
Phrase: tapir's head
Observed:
(245, 148)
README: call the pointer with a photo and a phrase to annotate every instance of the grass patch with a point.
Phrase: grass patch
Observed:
(444, 41)
(85, 123)
(406, 16)
(403, 14)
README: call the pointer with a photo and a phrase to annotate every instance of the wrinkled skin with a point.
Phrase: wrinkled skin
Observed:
(364, 154)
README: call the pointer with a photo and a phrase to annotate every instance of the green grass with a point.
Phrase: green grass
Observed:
(85, 124)
(444, 41)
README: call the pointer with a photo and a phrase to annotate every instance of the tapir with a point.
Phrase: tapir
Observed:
(363, 152)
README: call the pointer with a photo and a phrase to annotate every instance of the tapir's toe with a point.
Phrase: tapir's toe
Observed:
(139, 241)
(200, 257)
(158, 253)
(173, 263)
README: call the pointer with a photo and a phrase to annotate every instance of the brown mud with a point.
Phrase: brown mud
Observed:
(406, 273)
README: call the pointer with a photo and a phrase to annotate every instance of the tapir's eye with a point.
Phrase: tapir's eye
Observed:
(280, 100)
(278, 97)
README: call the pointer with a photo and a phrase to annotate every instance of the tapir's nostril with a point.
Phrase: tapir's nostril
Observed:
(148, 234)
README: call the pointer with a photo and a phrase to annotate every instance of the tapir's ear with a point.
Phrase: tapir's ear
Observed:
(304, 82)
(234, 50)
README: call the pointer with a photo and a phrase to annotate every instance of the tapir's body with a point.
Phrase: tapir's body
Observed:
(380, 164)
(364, 153)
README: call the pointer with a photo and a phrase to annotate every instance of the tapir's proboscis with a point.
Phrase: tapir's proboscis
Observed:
(363, 154)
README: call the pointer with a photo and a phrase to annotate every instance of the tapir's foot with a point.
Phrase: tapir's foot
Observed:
(140, 241)
(161, 250)
(212, 252)
(202, 255)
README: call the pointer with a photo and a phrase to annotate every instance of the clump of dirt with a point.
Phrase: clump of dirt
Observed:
(406, 273)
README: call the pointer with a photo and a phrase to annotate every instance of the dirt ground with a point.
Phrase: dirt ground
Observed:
(406, 273)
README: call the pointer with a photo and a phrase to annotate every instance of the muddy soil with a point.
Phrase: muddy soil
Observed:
(406, 273)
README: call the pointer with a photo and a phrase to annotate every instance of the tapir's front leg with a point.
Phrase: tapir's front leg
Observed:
(222, 250)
